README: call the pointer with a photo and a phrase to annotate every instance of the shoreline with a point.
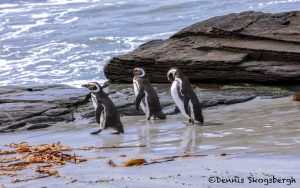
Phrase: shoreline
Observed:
(237, 130)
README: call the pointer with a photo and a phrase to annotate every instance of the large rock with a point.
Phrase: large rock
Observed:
(39, 106)
(249, 46)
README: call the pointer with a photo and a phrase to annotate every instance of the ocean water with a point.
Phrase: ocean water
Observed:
(69, 41)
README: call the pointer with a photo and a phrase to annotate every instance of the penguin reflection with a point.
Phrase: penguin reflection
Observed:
(146, 96)
(105, 111)
(189, 140)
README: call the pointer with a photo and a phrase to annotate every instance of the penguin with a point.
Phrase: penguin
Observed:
(105, 111)
(146, 96)
(184, 96)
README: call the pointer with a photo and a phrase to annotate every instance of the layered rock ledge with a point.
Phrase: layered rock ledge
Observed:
(39, 106)
(244, 47)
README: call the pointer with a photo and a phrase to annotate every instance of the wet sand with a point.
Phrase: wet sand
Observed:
(261, 135)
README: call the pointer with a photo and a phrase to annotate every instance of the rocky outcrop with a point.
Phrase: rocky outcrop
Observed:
(38, 107)
(248, 46)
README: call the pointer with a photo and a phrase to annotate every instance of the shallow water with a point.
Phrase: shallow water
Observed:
(69, 41)
(258, 127)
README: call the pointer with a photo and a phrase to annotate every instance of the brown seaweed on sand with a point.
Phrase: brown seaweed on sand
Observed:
(48, 156)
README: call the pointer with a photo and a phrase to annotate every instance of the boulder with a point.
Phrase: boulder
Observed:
(241, 47)
(36, 107)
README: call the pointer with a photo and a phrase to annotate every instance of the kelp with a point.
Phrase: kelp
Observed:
(23, 147)
(134, 162)
(139, 162)
(107, 147)
(43, 160)
(48, 156)
(53, 155)
(296, 97)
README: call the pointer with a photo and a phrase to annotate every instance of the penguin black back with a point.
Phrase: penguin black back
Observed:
(105, 110)
(146, 96)
(184, 96)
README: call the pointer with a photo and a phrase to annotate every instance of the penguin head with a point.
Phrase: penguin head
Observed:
(139, 72)
(172, 73)
(94, 87)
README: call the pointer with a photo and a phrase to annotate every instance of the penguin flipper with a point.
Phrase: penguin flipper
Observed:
(186, 100)
(98, 111)
(139, 98)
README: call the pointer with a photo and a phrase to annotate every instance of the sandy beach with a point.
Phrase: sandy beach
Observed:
(256, 144)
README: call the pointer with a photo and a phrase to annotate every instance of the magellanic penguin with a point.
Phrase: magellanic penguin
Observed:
(146, 96)
(105, 111)
(184, 96)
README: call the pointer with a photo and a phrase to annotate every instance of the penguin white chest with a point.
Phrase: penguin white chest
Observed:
(135, 87)
(136, 92)
(175, 95)
(103, 118)
(94, 100)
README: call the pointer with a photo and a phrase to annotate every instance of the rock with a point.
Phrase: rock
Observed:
(244, 47)
(53, 94)
(37, 126)
(35, 107)
(12, 112)
(123, 97)
(56, 112)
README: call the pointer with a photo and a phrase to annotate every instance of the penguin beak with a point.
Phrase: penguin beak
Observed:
(84, 85)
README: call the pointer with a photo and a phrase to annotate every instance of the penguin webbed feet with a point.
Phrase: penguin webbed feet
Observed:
(96, 132)
(192, 121)
(118, 132)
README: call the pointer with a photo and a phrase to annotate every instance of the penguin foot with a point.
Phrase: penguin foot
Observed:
(200, 123)
(148, 118)
(191, 121)
(118, 132)
(96, 132)
(159, 117)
